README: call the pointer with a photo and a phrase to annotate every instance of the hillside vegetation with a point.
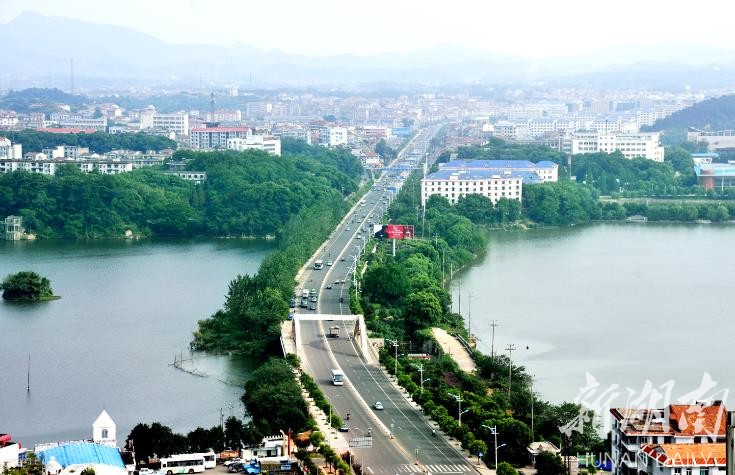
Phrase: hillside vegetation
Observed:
(713, 114)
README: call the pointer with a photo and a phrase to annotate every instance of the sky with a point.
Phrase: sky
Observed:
(525, 28)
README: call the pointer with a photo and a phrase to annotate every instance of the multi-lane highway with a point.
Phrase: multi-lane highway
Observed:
(401, 435)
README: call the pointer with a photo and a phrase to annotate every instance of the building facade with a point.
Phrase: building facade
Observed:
(208, 138)
(645, 145)
(272, 145)
(453, 184)
(716, 140)
(177, 122)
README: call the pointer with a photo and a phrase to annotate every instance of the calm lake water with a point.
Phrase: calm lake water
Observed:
(625, 303)
(127, 309)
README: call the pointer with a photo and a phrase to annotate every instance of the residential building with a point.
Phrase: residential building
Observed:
(195, 176)
(453, 184)
(715, 140)
(231, 115)
(333, 136)
(545, 170)
(8, 151)
(207, 138)
(8, 119)
(9, 450)
(177, 122)
(298, 133)
(272, 145)
(644, 144)
(648, 440)
(112, 167)
(42, 166)
(99, 124)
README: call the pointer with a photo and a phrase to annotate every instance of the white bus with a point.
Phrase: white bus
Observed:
(182, 463)
(319, 264)
(338, 377)
(210, 460)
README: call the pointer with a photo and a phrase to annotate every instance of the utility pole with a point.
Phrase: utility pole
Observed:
(510, 349)
(493, 324)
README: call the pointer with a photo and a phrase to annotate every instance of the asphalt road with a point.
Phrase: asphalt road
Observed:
(401, 434)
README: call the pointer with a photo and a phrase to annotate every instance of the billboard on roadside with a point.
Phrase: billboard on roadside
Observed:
(393, 231)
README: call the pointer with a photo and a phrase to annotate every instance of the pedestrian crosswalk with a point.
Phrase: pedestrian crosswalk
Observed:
(434, 468)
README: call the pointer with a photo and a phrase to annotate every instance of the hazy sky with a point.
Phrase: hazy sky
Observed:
(531, 28)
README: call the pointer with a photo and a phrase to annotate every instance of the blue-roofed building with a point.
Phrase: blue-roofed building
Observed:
(453, 184)
(545, 170)
(715, 175)
(73, 457)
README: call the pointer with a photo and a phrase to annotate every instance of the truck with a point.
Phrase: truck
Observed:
(334, 331)
(305, 293)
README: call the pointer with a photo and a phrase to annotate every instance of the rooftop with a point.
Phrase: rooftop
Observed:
(496, 164)
(83, 453)
(677, 455)
(476, 174)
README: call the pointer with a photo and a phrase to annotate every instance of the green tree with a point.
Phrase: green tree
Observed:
(422, 309)
(504, 468)
(234, 432)
(549, 464)
(26, 285)
(88, 471)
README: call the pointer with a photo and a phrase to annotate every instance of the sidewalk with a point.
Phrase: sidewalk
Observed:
(455, 349)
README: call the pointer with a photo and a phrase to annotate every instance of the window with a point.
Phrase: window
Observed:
(689, 471)
(104, 433)
(677, 471)
(703, 471)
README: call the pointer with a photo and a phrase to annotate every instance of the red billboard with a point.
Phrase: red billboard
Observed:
(395, 231)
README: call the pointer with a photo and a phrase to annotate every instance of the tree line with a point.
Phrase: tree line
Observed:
(246, 194)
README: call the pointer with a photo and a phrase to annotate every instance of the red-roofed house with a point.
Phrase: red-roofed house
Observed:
(682, 459)
(659, 430)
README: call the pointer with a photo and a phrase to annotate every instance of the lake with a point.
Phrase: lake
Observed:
(127, 308)
(626, 303)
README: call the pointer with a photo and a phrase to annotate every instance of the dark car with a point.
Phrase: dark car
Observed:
(329, 286)
(312, 306)
(292, 303)
(344, 428)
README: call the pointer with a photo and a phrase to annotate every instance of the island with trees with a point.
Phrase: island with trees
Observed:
(27, 286)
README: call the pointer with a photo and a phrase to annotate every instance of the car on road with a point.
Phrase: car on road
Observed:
(329, 286)
(146, 471)
(347, 228)
(329, 263)
(304, 303)
(313, 299)
(342, 259)
(312, 306)
(291, 315)
(344, 428)
(378, 406)
(292, 303)
(235, 467)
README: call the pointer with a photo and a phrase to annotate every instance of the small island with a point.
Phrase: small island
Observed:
(27, 286)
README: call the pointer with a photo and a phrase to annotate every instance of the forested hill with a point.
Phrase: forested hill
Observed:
(712, 114)
(246, 194)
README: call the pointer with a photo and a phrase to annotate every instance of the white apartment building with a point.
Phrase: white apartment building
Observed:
(208, 138)
(272, 145)
(177, 122)
(715, 140)
(8, 151)
(8, 119)
(644, 144)
(298, 133)
(333, 136)
(99, 124)
(676, 440)
(195, 176)
(44, 167)
(453, 184)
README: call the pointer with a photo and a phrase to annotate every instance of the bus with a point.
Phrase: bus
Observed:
(210, 461)
(338, 377)
(319, 264)
(182, 463)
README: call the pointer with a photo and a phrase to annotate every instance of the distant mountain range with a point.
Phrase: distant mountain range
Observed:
(39, 48)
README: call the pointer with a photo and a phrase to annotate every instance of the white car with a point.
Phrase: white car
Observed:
(329, 263)
(378, 406)
(146, 471)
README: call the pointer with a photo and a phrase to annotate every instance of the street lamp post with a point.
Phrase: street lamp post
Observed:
(395, 366)
(494, 432)
(459, 409)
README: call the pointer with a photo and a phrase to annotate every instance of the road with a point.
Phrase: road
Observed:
(401, 434)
